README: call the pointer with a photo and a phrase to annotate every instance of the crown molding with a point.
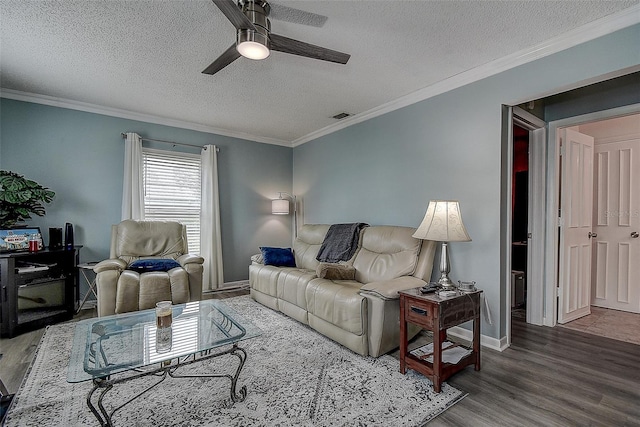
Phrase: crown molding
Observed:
(582, 34)
(132, 115)
(585, 33)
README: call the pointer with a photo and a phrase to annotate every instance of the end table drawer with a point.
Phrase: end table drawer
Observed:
(418, 312)
(457, 312)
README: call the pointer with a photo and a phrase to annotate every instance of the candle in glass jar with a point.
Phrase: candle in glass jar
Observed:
(163, 314)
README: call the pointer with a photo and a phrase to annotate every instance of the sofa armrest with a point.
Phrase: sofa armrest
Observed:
(110, 264)
(388, 289)
(190, 259)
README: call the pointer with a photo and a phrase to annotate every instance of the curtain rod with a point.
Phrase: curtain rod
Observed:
(124, 136)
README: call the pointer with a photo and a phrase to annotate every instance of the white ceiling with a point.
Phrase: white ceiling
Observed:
(147, 56)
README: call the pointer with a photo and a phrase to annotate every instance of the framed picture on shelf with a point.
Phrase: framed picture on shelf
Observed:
(17, 239)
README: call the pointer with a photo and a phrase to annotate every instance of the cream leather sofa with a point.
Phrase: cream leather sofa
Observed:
(120, 289)
(361, 314)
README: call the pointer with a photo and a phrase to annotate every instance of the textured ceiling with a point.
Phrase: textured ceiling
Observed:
(147, 56)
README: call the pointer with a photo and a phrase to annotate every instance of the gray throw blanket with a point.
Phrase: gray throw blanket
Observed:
(340, 243)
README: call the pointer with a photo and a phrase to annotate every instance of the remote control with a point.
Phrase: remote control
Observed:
(428, 289)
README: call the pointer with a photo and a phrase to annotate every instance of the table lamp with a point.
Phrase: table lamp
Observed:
(443, 223)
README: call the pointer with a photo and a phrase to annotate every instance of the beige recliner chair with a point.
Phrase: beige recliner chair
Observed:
(149, 262)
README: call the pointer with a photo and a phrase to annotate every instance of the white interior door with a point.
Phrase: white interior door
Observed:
(576, 226)
(617, 254)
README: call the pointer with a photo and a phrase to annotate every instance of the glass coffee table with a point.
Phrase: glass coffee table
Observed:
(131, 346)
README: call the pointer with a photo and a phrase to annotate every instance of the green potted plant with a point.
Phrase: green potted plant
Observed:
(20, 198)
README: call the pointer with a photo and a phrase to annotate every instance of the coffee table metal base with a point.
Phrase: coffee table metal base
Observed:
(106, 383)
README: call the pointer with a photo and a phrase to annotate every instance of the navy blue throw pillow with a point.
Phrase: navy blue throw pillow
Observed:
(146, 265)
(279, 257)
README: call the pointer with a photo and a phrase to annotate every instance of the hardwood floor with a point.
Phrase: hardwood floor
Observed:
(17, 353)
(548, 377)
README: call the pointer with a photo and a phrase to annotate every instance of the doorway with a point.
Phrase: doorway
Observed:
(541, 301)
(607, 274)
(520, 220)
(527, 216)
(607, 302)
(615, 271)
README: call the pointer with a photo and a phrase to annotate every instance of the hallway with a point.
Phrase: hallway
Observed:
(605, 322)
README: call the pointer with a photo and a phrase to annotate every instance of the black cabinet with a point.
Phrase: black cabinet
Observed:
(37, 289)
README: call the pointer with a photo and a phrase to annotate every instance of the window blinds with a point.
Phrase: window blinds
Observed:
(172, 190)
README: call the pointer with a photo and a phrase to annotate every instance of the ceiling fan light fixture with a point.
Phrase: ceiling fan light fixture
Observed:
(252, 44)
(254, 39)
(253, 50)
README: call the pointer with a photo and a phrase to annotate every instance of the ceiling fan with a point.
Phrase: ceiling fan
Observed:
(254, 38)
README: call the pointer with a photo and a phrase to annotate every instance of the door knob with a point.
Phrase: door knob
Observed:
(593, 234)
(634, 234)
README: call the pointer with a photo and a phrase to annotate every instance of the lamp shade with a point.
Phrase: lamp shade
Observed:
(442, 223)
(280, 207)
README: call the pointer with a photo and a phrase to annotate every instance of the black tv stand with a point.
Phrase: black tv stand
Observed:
(37, 288)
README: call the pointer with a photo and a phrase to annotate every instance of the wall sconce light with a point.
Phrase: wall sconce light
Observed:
(280, 206)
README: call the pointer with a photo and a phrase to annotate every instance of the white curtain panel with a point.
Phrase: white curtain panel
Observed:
(132, 187)
(210, 237)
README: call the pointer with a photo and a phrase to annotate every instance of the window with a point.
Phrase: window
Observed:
(172, 190)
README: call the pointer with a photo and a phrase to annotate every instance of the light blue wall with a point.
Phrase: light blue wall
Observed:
(80, 155)
(385, 170)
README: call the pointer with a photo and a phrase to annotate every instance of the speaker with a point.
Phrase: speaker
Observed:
(55, 238)
(68, 236)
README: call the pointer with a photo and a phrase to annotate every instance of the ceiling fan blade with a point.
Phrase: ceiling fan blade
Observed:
(296, 47)
(234, 14)
(223, 60)
(297, 16)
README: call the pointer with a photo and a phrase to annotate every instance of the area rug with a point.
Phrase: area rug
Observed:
(294, 377)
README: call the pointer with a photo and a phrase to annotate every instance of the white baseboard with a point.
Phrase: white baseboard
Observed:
(231, 286)
(89, 304)
(485, 341)
(237, 283)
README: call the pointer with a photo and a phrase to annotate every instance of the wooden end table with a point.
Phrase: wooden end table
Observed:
(436, 314)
